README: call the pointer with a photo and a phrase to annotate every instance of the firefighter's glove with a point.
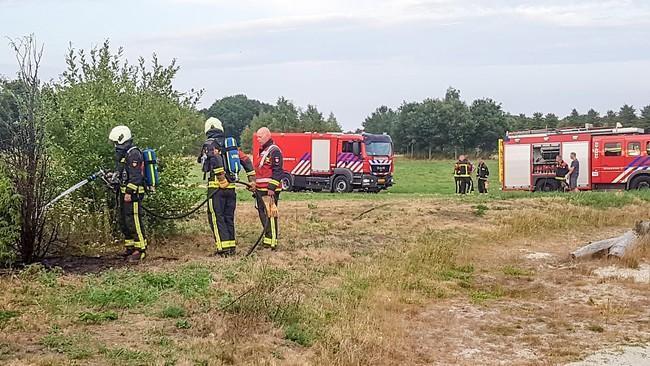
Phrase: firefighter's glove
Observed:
(251, 186)
(273, 210)
(269, 206)
(223, 184)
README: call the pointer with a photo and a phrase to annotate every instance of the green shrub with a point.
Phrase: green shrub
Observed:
(9, 206)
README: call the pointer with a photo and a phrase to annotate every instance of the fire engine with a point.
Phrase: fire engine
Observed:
(336, 162)
(610, 158)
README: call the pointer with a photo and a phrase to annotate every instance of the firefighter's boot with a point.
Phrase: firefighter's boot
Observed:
(137, 256)
(128, 251)
(225, 253)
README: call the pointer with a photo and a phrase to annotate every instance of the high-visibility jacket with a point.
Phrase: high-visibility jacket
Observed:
(463, 169)
(561, 171)
(129, 165)
(482, 172)
(268, 172)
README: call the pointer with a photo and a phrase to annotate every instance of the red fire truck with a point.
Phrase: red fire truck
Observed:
(336, 162)
(610, 158)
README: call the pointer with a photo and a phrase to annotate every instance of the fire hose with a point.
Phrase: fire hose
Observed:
(102, 175)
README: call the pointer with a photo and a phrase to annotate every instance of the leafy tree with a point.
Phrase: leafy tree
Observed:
(25, 180)
(100, 90)
(538, 121)
(610, 119)
(593, 118)
(490, 123)
(236, 112)
(627, 115)
(551, 120)
(332, 124)
(311, 119)
(645, 117)
(382, 120)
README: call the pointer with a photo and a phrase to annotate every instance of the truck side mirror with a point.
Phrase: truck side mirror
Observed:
(356, 148)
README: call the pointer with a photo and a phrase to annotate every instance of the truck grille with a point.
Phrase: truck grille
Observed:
(380, 169)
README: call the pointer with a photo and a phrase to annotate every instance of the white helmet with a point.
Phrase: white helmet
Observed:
(213, 123)
(120, 135)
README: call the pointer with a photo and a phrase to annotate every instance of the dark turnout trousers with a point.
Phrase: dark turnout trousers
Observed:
(221, 216)
(131, 223)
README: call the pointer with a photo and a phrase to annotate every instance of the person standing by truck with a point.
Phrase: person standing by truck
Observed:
(482, 174)
(574, 171)
(561, 171)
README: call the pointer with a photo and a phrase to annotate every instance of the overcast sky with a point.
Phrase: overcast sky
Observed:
(350, 57)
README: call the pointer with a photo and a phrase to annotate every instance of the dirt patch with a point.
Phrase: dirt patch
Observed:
(622, 356)
(640, 275)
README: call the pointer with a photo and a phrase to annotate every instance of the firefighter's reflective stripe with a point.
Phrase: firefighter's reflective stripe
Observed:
(263, 180)
(560, 178)
(226, 244)
(215, 227)
(137, 190)
(251, 173)
(273, 240)
(141, 243)
(128, 242)
(277, 189)
(463, 170)
(274, 182)
(219, 170)
(215, 184)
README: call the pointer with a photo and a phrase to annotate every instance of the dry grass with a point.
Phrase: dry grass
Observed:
(422, 282)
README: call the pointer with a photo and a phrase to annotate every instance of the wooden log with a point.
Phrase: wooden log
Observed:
(642, 228)
(594, 248)
(625, 242)
(617, 246)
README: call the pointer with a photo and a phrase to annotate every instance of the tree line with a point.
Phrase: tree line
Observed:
(434, 127)
(448, 126)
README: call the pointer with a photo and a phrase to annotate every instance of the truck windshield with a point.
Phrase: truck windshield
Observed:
(379, 149)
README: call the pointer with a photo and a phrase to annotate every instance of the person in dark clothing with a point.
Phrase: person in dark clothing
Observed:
(463, 172)
(221, 186)
(128, 179)
(268, 175)
(561, 171)
(482, 175)
(574, 172)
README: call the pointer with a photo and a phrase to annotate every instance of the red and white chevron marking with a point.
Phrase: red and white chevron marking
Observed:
(380, 162)
(303, 168)
(354, 166)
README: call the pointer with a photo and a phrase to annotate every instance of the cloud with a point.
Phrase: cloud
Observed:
(588, 14)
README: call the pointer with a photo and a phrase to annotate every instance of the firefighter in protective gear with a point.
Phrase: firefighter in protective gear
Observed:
(128, 179)
(482, 175)
(561, 171)
(268, 175)
(221, 187)
(456, 178)
(463, 171)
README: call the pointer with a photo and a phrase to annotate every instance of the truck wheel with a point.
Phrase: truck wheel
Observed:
(285, 182)
(642, 182)
(546, 185)
(341, 185)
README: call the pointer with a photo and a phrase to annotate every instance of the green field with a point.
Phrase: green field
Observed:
(434, 178)
(412, 177)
